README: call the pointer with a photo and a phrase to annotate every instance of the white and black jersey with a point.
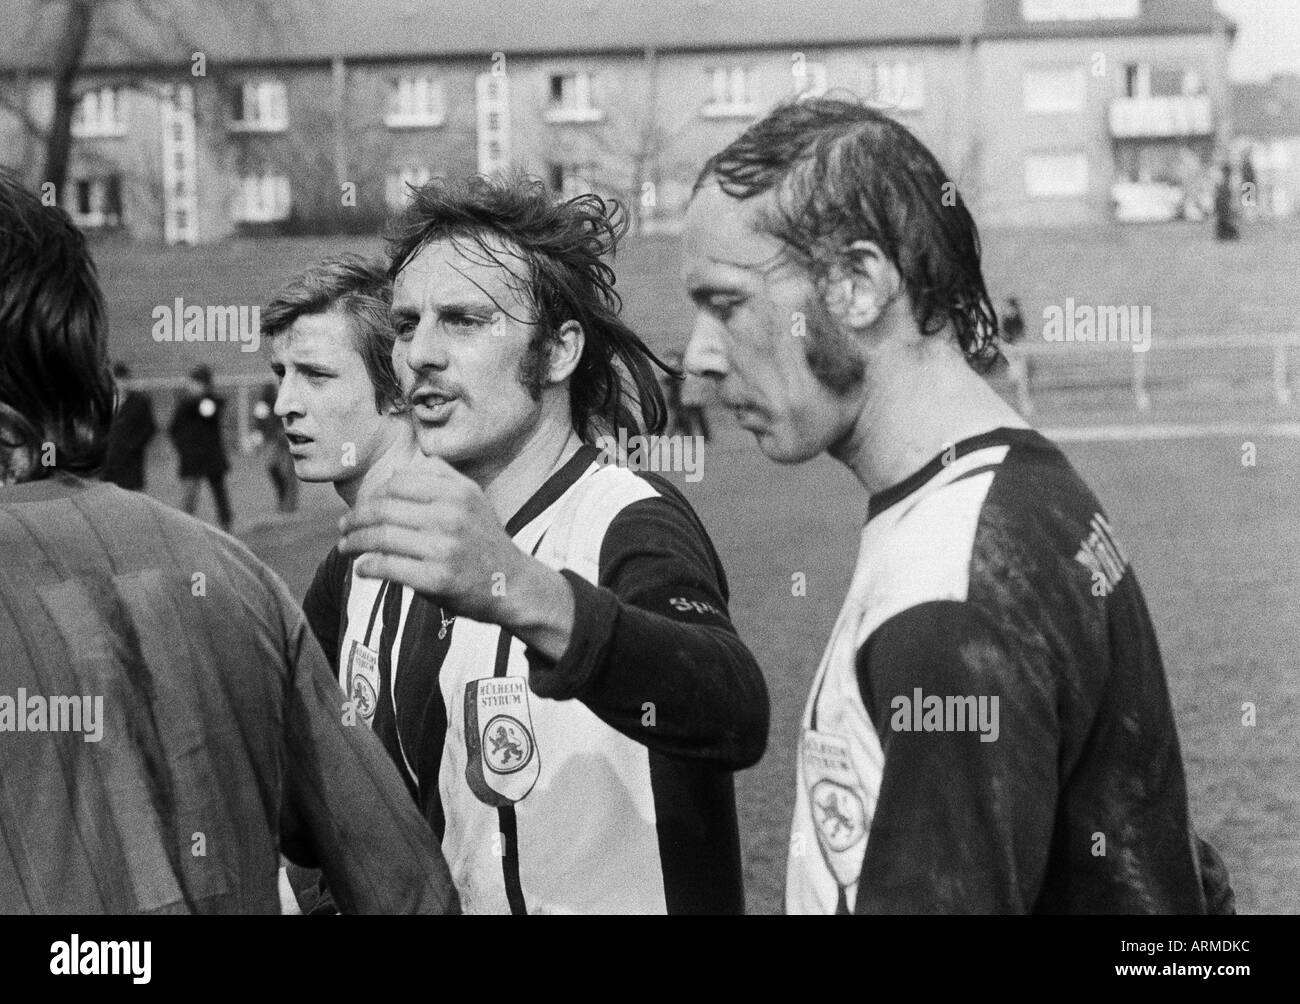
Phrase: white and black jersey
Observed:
(990, 729)
(601, 783)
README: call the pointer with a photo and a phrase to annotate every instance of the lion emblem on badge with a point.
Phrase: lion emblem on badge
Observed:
(363, 695)
(507, 745)
(839, 814)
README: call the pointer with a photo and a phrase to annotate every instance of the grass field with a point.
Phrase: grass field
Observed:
(1215, 544)
(1194, 286)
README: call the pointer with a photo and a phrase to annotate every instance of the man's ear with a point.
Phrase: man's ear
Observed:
(564, 352)
(862, 288)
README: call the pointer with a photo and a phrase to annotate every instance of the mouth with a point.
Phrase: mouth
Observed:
(432, 407)
(746, 414)
(297, 441)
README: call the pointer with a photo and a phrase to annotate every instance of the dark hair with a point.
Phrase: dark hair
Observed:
(842, 172)
(562, 246)
(55, 385)
(361, 291)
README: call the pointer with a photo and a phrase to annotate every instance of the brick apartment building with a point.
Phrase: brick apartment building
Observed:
(313, 116)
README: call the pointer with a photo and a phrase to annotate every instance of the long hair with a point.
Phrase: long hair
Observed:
(55, 385)
(362, 292)
(842, 172)
(557, 252)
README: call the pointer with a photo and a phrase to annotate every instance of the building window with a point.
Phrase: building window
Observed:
(259, 106)
(415, 102)
(1056, 175)
(99, 113)
(571, 99)
(570, 180)
(809, 79)
(97, 202)
(1141, 80)
(730, 94)
(1078, 10)
(898, 85)
(1053, 90)
(398, 191)
(263, 198)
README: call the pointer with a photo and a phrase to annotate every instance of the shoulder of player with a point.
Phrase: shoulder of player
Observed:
(209, 560)
(627, 503)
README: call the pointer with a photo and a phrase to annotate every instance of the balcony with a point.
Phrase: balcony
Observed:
(1161, 117)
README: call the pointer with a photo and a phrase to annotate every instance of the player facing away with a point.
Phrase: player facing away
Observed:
(180, 726)
(989, 730)
(584, 718)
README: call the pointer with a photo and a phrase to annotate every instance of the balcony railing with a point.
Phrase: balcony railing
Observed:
(1159, 117)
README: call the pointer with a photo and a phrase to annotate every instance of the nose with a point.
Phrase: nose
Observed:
(424, 349)
(706, 354)
(286, 402)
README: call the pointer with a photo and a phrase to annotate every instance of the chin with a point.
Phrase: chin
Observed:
(312, 474)
(442, 443)
(786, 451)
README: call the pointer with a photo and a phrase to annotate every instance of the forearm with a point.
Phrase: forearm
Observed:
(680, 688)
(538, 608)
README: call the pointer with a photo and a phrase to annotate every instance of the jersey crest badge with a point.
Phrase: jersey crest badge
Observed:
(502, 765)
(362, 681)
(838, 803)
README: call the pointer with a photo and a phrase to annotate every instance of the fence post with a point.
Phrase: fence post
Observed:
(1281, 386)
(1140, 382)
(1020, 376)
(241, 420)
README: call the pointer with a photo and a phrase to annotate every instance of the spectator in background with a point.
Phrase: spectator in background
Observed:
(195, 431)
(274, 449)
(1013, 321)
(1225, 208)
(132, 430)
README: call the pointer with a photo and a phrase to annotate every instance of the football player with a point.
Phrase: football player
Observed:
(331, 341)
(581, 724)
(990, 729)
(214, 739)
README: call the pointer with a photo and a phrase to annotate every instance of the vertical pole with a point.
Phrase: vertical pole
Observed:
(1281, 387)
(1140, 381)
(241, 417)
(1020, 375)
(338, 71)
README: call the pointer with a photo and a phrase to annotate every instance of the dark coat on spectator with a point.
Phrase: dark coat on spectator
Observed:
(133, 428)
(197, 437)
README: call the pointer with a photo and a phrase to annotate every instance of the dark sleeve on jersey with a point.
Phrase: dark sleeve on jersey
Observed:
(961, 825)
(345, 807)
(323, 605)
(653, 652)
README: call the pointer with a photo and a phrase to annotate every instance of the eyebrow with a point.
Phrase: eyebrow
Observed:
(704, 288)
(445, 309)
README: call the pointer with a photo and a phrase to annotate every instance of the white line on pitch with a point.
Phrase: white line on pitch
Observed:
(1112, 433)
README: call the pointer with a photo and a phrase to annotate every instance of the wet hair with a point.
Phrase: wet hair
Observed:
(359, 290)
(557, 252)
(841, 171)
(55, 384)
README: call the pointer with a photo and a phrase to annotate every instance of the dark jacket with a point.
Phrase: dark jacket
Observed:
(197, 437)
(133, 428)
